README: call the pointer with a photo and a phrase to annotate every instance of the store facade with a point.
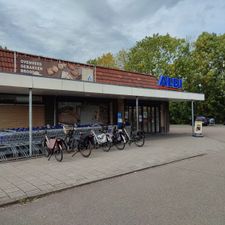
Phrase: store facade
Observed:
(35, 91)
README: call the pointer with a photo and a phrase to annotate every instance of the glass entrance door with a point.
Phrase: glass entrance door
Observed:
(148, 120)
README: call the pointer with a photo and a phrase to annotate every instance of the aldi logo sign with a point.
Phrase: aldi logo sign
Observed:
(166, 81)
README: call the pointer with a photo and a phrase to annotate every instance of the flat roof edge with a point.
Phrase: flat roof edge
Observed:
(10, 81)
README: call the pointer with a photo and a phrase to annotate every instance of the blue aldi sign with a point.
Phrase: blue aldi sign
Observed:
(166, 81)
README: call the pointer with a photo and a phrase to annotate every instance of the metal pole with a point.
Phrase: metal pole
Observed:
(30, 121)
(111, 112)
(94, 74)
(192, 116)
(55, 111)
(137, 112)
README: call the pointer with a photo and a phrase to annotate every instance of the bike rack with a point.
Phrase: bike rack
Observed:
(15, 144)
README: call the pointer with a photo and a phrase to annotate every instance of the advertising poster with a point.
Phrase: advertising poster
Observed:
(69, 112)
(54, 69)
(82, 113)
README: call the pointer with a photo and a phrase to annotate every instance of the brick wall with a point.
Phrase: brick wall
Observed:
(13, 116)
(6, 61)
(120, 77)
(103, 75)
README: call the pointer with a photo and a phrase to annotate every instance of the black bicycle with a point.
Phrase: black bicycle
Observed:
(77, 141)
(137, 137)
(117, 138)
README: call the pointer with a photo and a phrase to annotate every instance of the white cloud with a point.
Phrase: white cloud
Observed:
(186, 18)
(80, 30)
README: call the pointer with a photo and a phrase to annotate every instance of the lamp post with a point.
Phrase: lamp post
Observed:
(30, 122)
(193, 111)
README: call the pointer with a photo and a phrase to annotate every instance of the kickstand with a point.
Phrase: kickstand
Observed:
(74, 153)
(50, 156)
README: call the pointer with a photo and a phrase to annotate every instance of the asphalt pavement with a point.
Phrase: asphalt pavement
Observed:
(188, 192)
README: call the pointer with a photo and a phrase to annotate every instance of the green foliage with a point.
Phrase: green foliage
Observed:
(109, 60)
(156, 55)
(208, 74)
(180, 112)
(121, 59)
(106, 60)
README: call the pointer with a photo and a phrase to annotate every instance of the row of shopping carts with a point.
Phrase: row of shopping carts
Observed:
(15, 144)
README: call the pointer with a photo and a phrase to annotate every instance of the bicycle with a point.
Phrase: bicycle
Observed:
(69, 135)
(117, 138)
(52, 146)
(82, 142)
(137, 137)
(101, 140)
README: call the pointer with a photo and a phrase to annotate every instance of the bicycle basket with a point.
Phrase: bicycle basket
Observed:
(51, 143)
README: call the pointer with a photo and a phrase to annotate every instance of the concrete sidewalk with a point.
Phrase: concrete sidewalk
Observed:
(30, 178)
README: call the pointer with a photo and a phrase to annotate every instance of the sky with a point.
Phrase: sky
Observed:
(81, 30)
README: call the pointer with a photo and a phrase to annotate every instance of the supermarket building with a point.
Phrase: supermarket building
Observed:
(36, 90)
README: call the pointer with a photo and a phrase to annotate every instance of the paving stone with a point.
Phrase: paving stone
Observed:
(32, 193)
(60, 186)
(16, 194)
(6, 184)
(3, 194)
(21, 183)
(4, 199)
(38, 182)
(54, 182)
(28, 188)
(10, 190)
(45, 187)
(81, 179)
(46, 178)
(69, 181)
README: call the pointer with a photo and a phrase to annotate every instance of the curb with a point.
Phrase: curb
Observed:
(23, 200)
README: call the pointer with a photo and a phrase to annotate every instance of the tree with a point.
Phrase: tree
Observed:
(5, 48)
(156, 55)
(121, 59)
(106, 60)
(208, 74)
(205, 73)
(164, 55)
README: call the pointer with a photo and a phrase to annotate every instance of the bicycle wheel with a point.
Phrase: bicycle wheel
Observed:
(45, 149)
(139, 139)
(58, 152)
(106, 146)
(86, 149)
(63, 144)
(120, 142)
(69, 143)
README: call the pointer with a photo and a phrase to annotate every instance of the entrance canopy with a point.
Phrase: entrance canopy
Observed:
(19, 84)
